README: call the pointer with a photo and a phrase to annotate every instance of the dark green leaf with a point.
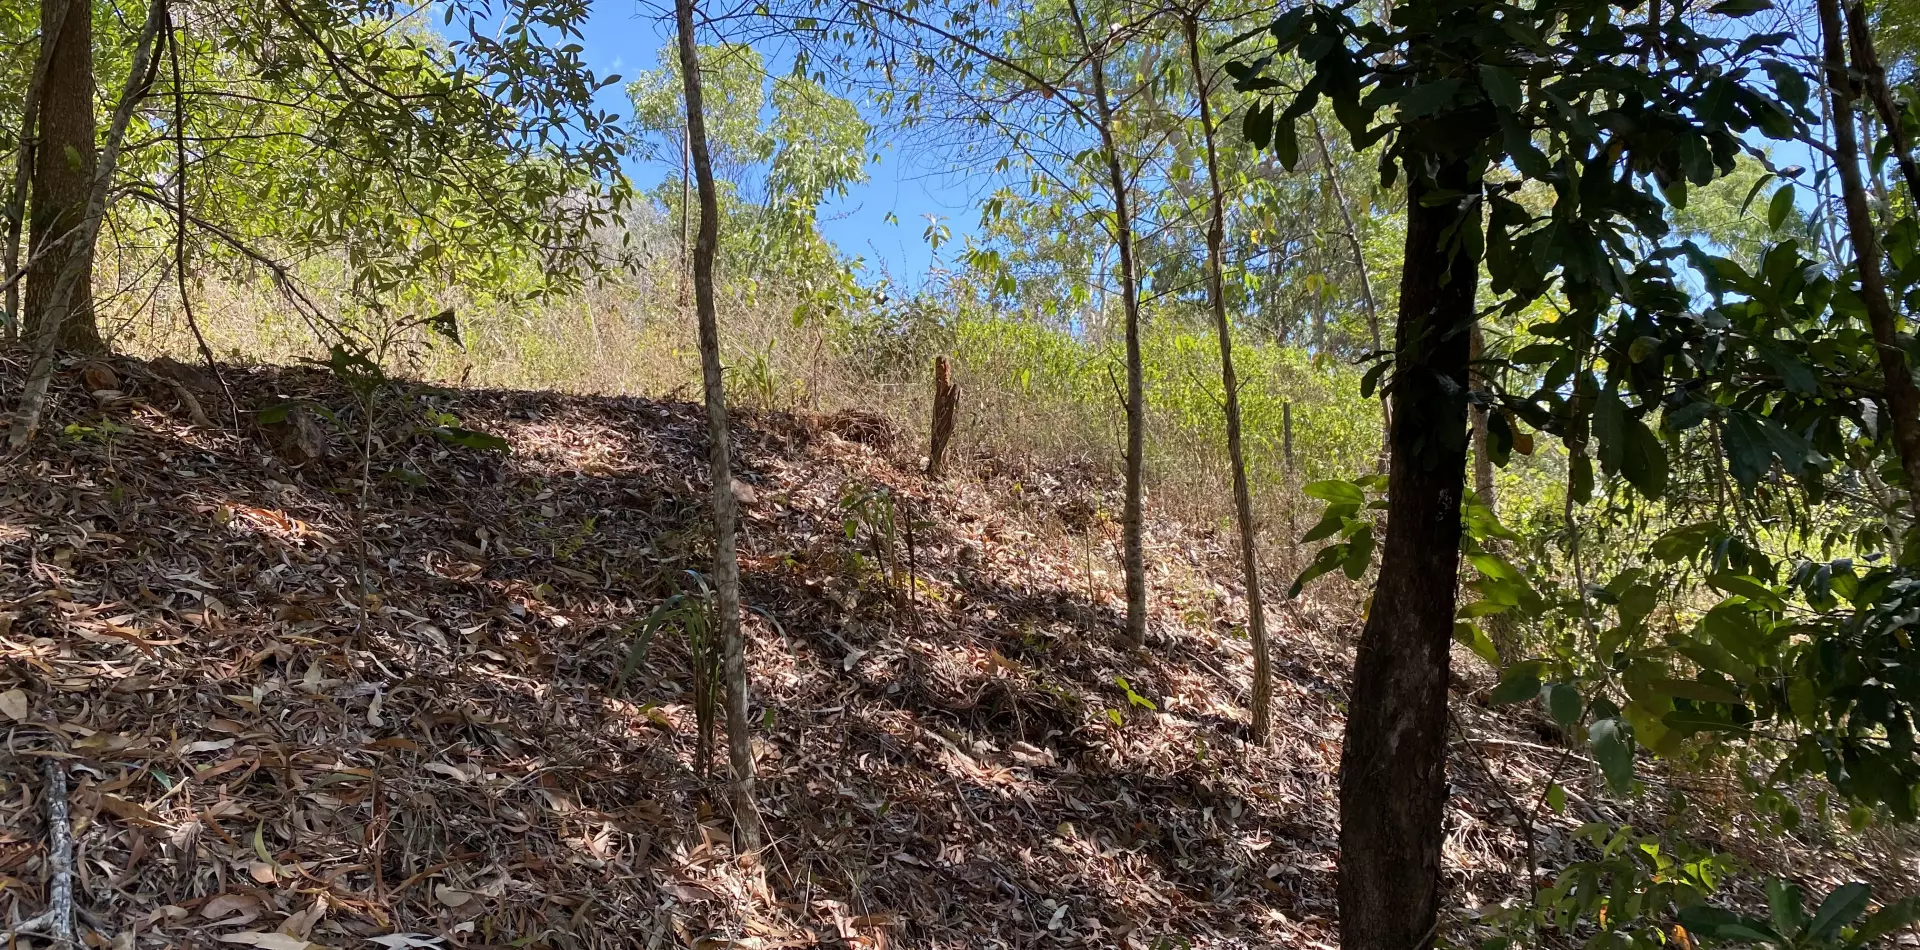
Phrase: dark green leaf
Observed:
(1286, 144)
(1339, 491)
(1779, 207)
(1683, 542)
(1534, 353)
(1888, 919)
(1258, 125)
(1476, 639)
(1636, 603)
(1645, 462)
(1842, 907)
(1749, 450)
(1332, 522)
(1563, 704)
(1580, 479)
(1610, 430)
(1428, 98)
(1754, 192)
(1613, 748)
(1695, 690)
(1721, 924)
(1327, 560)
(1359, 555)
(1501, 87)
(1518, 684)
(1784, 900)
(1745, 586)
(468, 438)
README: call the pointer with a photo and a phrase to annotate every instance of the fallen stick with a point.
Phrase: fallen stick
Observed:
(57, 922)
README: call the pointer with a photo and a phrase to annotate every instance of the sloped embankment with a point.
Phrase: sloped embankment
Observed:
(302, 709)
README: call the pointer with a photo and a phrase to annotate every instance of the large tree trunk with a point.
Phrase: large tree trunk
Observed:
(63, 174)
(1903, 397)
(33, 397)
(1393, 768)
(52, 13)
(1132, 515)
(726, 563)
(1242, 495)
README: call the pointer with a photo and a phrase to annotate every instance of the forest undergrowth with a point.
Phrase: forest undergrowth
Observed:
(344, 675)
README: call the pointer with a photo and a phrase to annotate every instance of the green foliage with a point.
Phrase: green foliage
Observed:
(692, 611)
(1837, 923)
(468, 157)
(1342, 519)
(1623, 896)
(1562, 96)
(777, 157)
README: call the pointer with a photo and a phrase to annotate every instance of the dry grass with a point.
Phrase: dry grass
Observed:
(634, 339)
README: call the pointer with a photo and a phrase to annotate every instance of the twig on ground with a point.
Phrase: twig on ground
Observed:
(56, 923)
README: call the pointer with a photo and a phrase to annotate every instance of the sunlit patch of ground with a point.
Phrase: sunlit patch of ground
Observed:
(290, 720)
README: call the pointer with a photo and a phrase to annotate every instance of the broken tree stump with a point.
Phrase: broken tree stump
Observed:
(946, 398)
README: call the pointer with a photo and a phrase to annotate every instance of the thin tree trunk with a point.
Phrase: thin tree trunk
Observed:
(181, 167)
(1867, 63)
(1902, 396)
(1242, 495)
(1132, 518)
(1829, 223)
(1482, 462)
(726, 564)
(686, 217)
(1360, 267)
(1393, 766)
(52, 14)
(1876, 174)
(66, 284)
(63, 178)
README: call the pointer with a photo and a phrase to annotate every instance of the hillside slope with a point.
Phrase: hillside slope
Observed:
(290, 718)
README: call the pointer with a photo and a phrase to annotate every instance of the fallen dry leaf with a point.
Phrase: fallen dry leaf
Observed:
(267, 941)
(301, 924)
(130, 811)
(222, 906)
(461, 716)
(13, 704)
(408, 941)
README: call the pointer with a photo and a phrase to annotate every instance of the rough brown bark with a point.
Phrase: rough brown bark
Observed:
(1866, 62)
(1242, 495)
(33, 397)
(63, 174)
(52, 14)
(1393, 766)
(1902, 396)
(1132, 514)
(946, 401)
(726, 563)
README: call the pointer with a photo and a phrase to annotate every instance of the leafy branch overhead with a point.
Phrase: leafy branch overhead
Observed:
(1618, 121)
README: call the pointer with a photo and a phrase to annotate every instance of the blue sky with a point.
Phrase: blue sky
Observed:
(625, 36)
(909, 182)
